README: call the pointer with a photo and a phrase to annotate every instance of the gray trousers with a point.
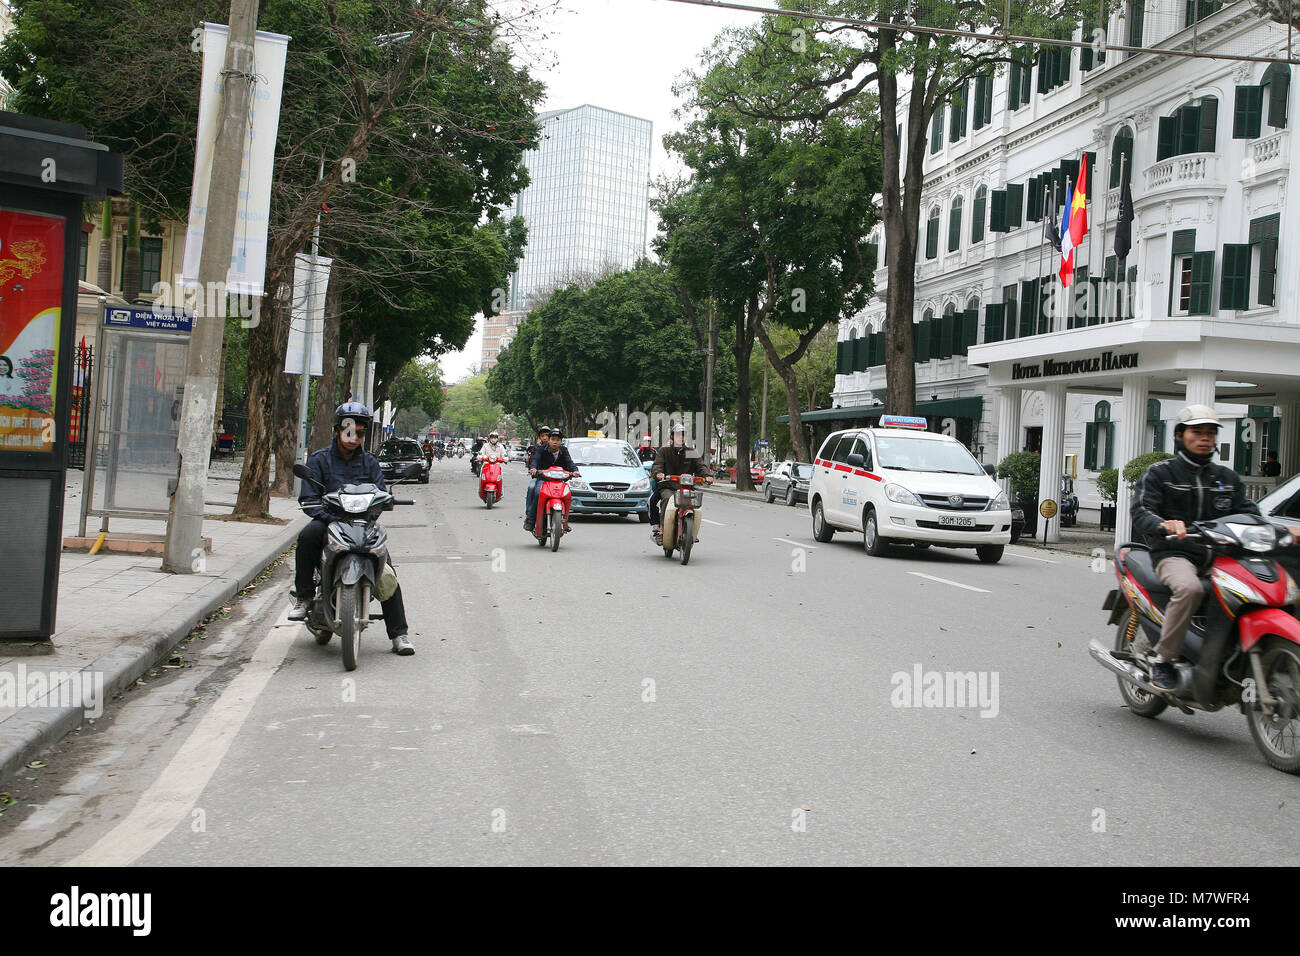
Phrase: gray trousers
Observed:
(1179, 575)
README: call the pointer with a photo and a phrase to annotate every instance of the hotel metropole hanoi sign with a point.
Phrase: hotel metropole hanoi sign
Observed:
(1053, 368)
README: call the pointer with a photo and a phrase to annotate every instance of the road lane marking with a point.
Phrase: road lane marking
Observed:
(718, 523)
(1031, 557)
(168, 800)
(955, 584)
(807, 547)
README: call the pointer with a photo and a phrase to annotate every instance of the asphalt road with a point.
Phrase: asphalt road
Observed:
(603, 705)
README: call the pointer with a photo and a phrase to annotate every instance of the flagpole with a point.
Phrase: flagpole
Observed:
(1038, 276)
(1121, 273)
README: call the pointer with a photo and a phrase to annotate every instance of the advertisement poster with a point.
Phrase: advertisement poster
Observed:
(31, 293)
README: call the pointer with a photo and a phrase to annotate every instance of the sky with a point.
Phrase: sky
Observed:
(623, 55)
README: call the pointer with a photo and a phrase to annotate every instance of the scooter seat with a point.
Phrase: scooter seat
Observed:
(1139, 564)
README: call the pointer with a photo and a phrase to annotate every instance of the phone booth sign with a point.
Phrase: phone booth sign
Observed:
(47, 171)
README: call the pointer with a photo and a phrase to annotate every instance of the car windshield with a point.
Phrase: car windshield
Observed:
(400, 449)
(604, 453)
(921, 454)
(1279, 500)
(803, 471)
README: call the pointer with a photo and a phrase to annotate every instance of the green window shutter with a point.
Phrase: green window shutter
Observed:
(1247, 112)
(1034, 201)
(954, 227)
(873, 256)
(1189, 130)
(1013, 86)
(957, 114)
(1097, 305)
(1234, 287)
(1202, 283)
(1184, 242)
(977, 216)
(916, 341)
(879, 357)
(1136, 16)
(1209, 125)
(1085, 53)
(994, 316)
(1158, 443)
(970, 329)
(922, 341)
(1267, 271)
(1110, 446)
(1167, 138)
(932, 236)
(998, 211)
(934, 336)
(1015, 204)
(945, 337)
(936, 130)
(1011, 323)
(1090, 446)
(1278, 78)
(1028, 307)
(1044, 60)
(840, 368)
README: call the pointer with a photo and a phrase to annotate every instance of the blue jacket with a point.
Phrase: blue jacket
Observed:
(334, 471)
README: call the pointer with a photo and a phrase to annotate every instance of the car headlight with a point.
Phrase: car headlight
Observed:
(1000, 503)
(577, 484)
(900, 495)
(642, 485)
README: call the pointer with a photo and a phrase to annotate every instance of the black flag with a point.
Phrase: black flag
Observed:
(1049, 224)
(1124, 223)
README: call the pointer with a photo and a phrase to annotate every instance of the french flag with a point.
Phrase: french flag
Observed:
(1074, 223)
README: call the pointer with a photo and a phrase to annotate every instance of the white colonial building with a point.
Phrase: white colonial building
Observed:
(1202, 308)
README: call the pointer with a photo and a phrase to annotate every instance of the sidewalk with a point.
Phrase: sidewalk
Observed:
(119, 614)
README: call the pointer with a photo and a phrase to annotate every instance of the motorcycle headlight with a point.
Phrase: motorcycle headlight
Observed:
(900, 495)
(355, 504)
(1000, 503)
(1292, 591)
(642, 485)
(1255, 537)
(577, 484)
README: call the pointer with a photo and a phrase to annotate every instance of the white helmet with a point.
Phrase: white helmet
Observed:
(1197, 415)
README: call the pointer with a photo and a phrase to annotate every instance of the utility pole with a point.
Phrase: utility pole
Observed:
(709, 353)
(182, 552)
(762, 421)
(309, 320)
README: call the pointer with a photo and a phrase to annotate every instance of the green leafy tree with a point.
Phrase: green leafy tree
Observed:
(468, 409)
(418, 386)
(1022, 468)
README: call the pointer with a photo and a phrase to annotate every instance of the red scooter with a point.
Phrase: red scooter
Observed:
(553, 506)
(489, 481)
(1243, 643)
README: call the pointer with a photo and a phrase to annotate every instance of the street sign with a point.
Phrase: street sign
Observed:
(1047, 509)
(153, 320)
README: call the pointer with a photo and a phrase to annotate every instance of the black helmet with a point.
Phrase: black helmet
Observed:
(358, 413)
(544, 430)
(557, 433)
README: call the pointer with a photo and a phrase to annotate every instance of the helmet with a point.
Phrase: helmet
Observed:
(1197, 415)
(359, 414)
(645, 439)
(557, 433)
(679, 429)
(544, 430)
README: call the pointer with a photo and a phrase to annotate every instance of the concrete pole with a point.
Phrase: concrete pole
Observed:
(1288, 451)
(711, 351)
(182, 552)
(1053, 458)
(1132, 431)
(1200, 391)
(1008, 422)
(309, 319)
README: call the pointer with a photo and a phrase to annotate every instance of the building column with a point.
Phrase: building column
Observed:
(1008, 422)
(1053, 458)
(1200, 387)
(1288, 455)
(1128, 445)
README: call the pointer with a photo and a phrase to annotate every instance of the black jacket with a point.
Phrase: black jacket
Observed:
(334, 471)
(543, 458)
(1179, 489)
(671, 460)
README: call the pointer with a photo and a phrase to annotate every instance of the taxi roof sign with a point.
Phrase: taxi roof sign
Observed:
(903, 421)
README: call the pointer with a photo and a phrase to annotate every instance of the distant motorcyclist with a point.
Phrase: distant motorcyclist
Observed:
(343, 462)
(673, 459)
(546, 456)
(493, 447)
(646, 450)
(543, 441)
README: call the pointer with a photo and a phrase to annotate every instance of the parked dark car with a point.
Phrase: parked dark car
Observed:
(400, 458)
(787, 481)
(1017, 520)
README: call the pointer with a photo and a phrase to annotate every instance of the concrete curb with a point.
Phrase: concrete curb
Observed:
(749, 496)
(38, 728)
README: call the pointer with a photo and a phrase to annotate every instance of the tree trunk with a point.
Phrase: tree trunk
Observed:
(745, 324)
(322, 422)
(263, 366)
(285, 432)
(104, 269)
(131, 256)
(785, 368)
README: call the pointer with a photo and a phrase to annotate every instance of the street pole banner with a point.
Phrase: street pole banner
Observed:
(31, 306)
(309, 286)
(248, 256)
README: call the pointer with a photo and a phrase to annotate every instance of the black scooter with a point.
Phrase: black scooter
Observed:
(352, 562)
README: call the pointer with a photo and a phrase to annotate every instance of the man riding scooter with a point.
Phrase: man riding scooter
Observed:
(543, 441)
(673, 459)
(493, 447)
(344, 462)
(547, 456)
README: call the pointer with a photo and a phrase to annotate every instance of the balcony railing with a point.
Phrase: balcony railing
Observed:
(1180, 172)
(1267, 155)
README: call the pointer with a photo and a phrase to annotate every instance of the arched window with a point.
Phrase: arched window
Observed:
(977, 214)
(1099, 439)
(1121, 157)
(954, 225)
(932, 234)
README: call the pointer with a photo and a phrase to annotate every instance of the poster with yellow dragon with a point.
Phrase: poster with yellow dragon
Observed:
(31, 292)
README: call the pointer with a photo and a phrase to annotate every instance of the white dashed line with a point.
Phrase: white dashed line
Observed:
(718, 523)
(955, 584)
(1031, 557)
(806, 547)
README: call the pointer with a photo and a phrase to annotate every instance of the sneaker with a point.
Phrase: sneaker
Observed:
(1164, 676)
(402, 646)
(300, 611)
(529, 525)
(658, 534)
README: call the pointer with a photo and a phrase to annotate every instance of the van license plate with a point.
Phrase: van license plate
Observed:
(953, 521)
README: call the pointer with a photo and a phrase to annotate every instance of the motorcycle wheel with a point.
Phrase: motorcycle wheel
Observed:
(557, 529)
(1141, 702)
(687, 538)
(1278, 737)
(489, 500)
(349, 627)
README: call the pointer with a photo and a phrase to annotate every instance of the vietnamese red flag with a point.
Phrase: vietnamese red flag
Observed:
(1077, 219)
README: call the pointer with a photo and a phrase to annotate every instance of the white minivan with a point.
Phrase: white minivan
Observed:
(899, 483)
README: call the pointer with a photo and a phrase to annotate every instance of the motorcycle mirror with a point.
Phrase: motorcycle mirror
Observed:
(991, 471)
(302, 471)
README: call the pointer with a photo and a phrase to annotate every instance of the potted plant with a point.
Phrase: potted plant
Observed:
(1108, 490)
(1021, 469)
